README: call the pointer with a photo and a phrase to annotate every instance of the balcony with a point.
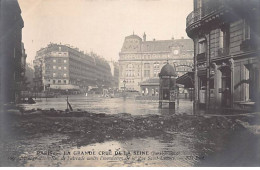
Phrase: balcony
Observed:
(210, 11)
(193, 17)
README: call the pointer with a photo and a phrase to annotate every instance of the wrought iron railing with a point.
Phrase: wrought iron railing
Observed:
(193, 17)
(208, 7)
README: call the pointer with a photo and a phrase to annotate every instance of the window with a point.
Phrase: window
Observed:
(64, 81)
(65, 61)
(65, 75)
(146, 65)
(130, 70)
(53, 81)
(59, 68)
(54, 67)
(202, 46)
(221, 39)
(59, 81)
(224, 40)
(54, 61)
(146, 73)
(156, 69)
(246, 31)
(54, 74)
(59, 48)
(252, 82)
(65, 68)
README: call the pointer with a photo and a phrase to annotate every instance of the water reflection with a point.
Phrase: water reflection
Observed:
(111, 105)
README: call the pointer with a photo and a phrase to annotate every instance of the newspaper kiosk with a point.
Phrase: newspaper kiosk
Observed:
(167, 85)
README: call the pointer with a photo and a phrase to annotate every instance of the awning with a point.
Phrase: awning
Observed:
(187, 80)
(150, 82)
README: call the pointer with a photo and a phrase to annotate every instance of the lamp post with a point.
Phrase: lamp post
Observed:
(124, 88)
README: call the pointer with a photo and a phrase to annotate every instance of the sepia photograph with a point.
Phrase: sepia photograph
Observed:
(129, 83)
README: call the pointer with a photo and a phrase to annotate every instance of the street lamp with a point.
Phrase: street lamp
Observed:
(124, 87)
(124, 84)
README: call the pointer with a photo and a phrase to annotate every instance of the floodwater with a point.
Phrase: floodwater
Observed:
(172, 149)
(110, 105)
(200, 148)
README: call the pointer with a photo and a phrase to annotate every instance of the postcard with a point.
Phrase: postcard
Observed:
(136, 83)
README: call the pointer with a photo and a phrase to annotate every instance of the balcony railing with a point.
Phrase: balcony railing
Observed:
(193, 17)
(208, 7)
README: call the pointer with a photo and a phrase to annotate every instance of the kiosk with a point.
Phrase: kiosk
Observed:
(167, 87)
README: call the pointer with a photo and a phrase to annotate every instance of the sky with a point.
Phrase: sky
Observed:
(100, 25)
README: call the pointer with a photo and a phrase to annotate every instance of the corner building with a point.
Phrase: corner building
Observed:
(226, 49)
(63, 67)
(12, 53)
(141, 60)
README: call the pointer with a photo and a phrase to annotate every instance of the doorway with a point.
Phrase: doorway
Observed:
(226, 87)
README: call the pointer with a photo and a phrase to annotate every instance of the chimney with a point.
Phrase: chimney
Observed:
(144, 37)
(154, 39)
(182, 38)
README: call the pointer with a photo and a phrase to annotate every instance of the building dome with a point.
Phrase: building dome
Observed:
(167, 70)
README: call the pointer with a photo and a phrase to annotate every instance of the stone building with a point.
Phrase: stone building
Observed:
(12, 58)
(63, 67)
(115, 73)
(226, 40)
(141, 60)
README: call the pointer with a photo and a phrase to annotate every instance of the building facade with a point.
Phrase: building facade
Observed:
(141, 60)
(226, 49)
(66, 68)
(115, 74)
(12, 56)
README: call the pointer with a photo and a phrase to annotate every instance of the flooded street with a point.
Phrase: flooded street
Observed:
(130, 133)
(170, 150)
(110, 105)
